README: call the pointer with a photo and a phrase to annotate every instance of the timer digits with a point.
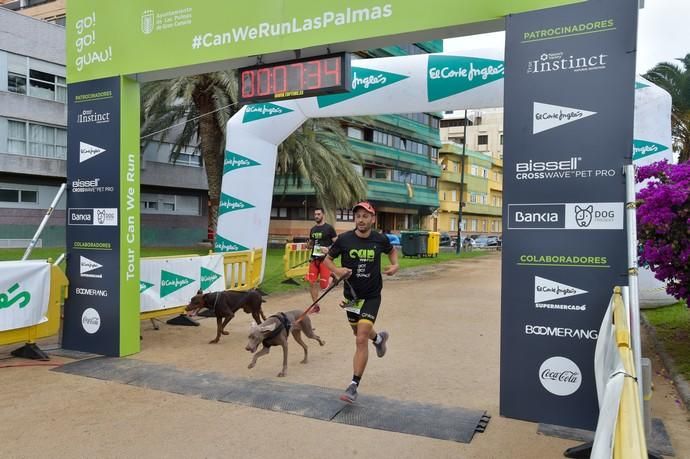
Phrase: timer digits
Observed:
(297, 78)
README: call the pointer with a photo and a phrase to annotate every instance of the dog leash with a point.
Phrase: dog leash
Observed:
(335, 282)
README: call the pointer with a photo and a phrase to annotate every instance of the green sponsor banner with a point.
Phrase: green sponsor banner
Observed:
(143, 286)
(171, 282)
(129, 217)
(260, 111)
(642, 149)
(107, 38)
(226, 245)
(363, 82)
(208, 277)
(450, 75)
(234, 161)
(231, 204)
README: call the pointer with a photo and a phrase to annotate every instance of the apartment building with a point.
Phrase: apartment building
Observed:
(33, 148)
(483, 179)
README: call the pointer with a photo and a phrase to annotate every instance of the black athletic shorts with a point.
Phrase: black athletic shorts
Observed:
(368, 312)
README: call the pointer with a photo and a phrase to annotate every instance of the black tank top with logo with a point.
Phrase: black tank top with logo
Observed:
(363, 257)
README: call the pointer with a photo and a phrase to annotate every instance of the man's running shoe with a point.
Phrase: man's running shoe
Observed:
(350, 394)
(381, 347)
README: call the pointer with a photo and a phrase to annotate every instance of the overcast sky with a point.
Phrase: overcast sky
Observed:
(663, 34)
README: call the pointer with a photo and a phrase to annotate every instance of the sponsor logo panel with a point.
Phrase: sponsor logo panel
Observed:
(88, 151)
(99, 216)
(90, 185)
(88, 266)
(569, 216)
(573, 168)
(546, 291)
(547, 116)
(560, 376)
(560, 62)
(90, 321)
(561, 332)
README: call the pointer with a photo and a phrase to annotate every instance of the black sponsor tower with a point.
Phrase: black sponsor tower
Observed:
(101, 312)
(569, 100)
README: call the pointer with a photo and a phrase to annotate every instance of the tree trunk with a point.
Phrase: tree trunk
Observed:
(210, 143)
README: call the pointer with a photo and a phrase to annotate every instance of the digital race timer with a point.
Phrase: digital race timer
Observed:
(306, 77)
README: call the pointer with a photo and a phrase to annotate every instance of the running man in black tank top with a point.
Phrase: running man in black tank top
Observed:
(360, 256)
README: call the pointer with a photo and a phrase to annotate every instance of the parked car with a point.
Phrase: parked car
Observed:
(481, 242)
(446, 240)
(493, 241)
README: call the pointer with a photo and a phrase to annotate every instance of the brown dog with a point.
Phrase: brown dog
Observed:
(224, 304)
(274, 332)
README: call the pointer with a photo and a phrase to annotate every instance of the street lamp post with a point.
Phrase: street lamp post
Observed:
(462, 183)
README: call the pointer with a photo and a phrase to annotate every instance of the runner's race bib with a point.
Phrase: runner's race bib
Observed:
(354, 306)
(316, 251)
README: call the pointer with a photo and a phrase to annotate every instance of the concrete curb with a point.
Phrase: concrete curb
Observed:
(678, 380)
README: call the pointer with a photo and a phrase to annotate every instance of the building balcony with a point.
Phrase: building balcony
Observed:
(449, 206)
(399, 193)
(482, 209)
(494, 185)
(448, 176)
(377, 190)
(416, 163)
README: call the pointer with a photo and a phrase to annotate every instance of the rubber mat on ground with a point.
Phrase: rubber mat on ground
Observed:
(435, 421)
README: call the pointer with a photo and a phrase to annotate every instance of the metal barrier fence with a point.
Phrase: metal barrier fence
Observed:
(296, 259)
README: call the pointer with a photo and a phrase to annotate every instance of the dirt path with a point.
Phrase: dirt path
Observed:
(444, 349)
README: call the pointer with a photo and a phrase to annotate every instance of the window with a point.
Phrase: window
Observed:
(458, 140)
(355, 133)
(443, 196)
(16, 137)
(381, 174)
(170, 204)
(434, 153)
(483, 139)
(452, 223)
(16, 73)
(458, 122)
(44, 141)
(279, 212)
(188, 159)
(14, 195)
(454, 195)
(500, 139)
(344, 215)
(45, 79)
(433, 181)
(475, 170)
(473, 225)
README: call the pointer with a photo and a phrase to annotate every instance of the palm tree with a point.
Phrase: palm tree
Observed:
(204, 104)
(676, 81)
(319, 152)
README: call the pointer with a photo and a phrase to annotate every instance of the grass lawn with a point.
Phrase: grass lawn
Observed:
(273, 275)
(672, 324)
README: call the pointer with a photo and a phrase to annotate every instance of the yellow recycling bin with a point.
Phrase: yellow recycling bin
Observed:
(433, 244)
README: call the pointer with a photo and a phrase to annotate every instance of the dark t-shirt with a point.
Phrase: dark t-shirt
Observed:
(363, 257)
(321, 236)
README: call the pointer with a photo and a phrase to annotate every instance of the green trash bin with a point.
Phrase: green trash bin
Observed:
(422, 243)
(408, 241)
